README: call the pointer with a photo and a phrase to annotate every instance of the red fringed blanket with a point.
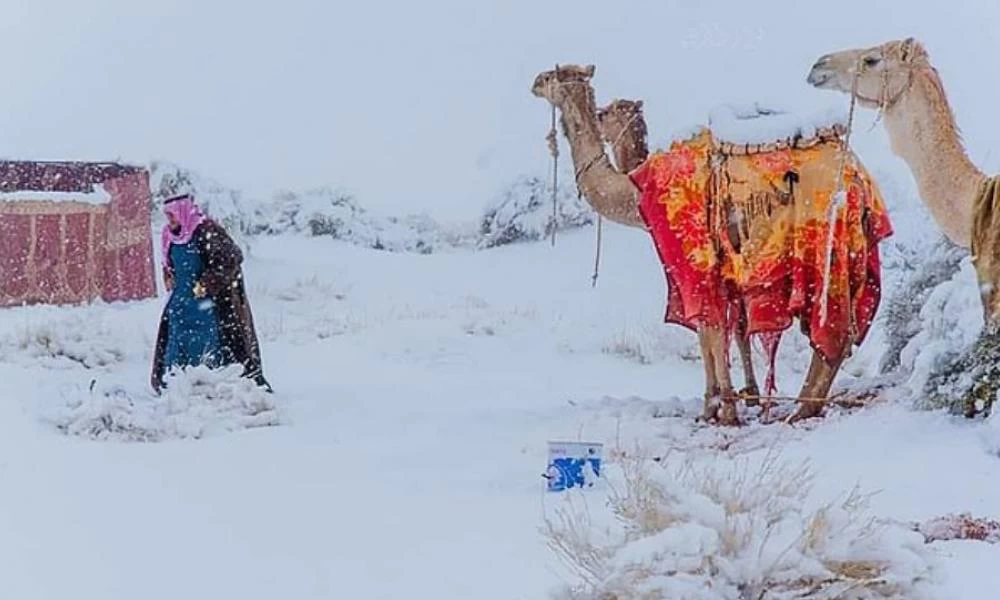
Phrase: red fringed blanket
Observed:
(752, 232)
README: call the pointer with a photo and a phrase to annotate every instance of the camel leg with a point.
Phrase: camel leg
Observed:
(710, 409)
(819, 380)
(713, 343)
(750, 391)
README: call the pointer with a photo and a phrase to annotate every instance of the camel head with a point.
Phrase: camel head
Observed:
(618, 116)
(883, 71)
(555, 85)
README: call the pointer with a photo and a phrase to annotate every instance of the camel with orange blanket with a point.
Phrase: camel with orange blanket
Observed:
(751, 233)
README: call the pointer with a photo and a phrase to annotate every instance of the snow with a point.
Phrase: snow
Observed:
(712, 531)
(196, 403)
(420, 365)
(520, 212)
(751, 122)
(757, 124)
(414, 399)
(98, 195)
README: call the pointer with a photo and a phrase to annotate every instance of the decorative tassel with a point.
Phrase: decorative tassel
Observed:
(771, 341)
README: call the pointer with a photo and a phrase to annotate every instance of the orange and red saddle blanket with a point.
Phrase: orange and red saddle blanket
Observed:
(749, 231)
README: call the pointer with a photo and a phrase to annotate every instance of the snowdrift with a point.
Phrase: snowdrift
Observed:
(198, 402)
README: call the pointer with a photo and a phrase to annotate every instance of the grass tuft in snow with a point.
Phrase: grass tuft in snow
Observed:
(729, 530)
(88, 339)
(197, 402)
(646, 344)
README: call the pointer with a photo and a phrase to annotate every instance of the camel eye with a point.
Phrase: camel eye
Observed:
(871, 61)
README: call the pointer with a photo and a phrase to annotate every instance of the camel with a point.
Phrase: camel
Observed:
(612, 194)
(898, 79)
(623, 128)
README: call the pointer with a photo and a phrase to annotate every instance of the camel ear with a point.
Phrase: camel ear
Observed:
(589, 71)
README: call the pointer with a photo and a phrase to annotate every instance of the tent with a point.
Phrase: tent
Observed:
(73, 232)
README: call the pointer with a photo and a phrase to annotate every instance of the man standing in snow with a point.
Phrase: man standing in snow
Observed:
(207, 320)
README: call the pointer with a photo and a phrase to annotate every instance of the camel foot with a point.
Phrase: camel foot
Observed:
(728, 416)
(751, 395)
(806, 410)
(710, 412)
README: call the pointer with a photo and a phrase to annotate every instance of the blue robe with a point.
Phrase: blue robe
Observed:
(193, 328)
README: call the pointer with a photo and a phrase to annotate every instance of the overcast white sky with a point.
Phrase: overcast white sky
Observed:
(424, 105)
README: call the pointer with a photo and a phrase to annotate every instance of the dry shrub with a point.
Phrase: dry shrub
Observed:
(721, 529)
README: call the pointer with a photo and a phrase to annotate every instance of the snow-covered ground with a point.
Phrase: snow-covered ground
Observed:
(401, 456)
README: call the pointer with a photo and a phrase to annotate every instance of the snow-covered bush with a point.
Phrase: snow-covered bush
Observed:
(968, 383)
(903, 310)
(990, 433)
(197, 402)
(938, 334)
(730, 530)
(334, 213)
(317, 212)
(524, 213)
(224, 204)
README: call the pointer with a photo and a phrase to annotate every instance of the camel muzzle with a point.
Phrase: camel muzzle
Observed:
(819, 77)
(820, 73)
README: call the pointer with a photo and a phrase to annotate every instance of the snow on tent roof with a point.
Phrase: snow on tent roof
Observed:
(59, 181)
(98, 195)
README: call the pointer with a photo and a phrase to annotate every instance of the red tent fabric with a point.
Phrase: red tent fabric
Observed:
(71, 233)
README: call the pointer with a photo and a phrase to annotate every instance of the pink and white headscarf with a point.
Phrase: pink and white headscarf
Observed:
(188, 215)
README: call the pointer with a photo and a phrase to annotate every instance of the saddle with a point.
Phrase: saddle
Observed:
(766, 181)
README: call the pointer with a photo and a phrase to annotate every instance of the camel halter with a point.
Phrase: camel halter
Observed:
(838, 200)
(884, 102)
(552, 140)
